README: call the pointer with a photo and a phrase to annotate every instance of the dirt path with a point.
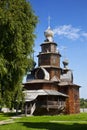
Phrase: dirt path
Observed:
(11, 120)
(6, 121)
(69, 121)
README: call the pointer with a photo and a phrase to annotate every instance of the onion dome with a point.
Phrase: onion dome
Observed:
(49, 34)
(65, 63)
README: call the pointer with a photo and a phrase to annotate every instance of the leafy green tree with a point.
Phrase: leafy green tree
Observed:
(17, 26)
(83, 103)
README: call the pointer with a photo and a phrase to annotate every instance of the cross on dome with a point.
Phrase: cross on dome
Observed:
(49, 21)
(49, 32)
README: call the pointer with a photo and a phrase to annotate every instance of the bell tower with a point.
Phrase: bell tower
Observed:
(49, 57)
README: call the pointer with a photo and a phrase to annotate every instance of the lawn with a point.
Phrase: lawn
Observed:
(61, 122)
(5, 116)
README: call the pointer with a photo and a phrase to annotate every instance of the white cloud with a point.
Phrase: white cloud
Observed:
(84, 34)
(70, 32)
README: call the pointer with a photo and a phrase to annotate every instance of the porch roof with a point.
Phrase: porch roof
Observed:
(31, 95)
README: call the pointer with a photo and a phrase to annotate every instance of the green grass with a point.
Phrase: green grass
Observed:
(5, 116)
(60, 122)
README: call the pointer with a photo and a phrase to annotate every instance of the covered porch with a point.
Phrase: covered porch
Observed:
(43, 102)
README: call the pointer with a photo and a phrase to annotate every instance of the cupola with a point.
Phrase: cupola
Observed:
(65, 63)
(49, 34)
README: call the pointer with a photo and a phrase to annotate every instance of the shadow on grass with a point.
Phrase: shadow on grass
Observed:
(10, 114)
(55, 126)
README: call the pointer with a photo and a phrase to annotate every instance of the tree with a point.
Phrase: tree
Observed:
(83, 103)
(17, 25)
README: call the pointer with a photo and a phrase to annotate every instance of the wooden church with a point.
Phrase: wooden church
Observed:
(49, 89)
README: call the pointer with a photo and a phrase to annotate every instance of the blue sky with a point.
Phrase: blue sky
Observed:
(69, 23)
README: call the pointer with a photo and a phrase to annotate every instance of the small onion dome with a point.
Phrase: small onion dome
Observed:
(65, 63)
(49, 34)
